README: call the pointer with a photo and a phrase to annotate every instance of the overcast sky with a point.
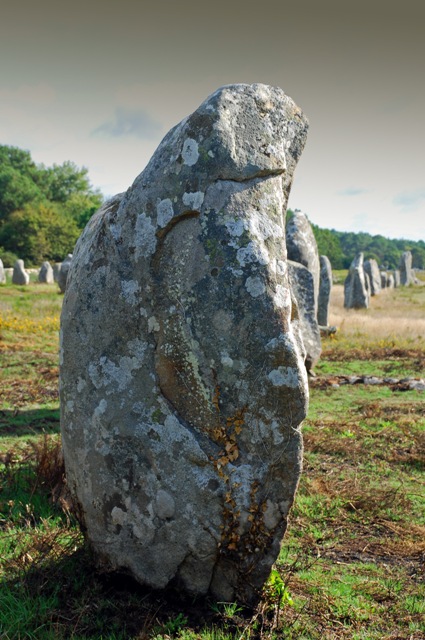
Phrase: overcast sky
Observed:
(101, 82)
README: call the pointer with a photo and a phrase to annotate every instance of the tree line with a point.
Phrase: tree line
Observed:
(44, 209)
(342, 246)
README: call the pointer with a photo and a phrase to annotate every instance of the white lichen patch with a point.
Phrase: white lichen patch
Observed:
(281, 267)
(144, 532)
(164, 212)
(129, 289)
(282, 297)
(164, 506)
(255, 286)
(253, 252)
(262, 227)
(137, 348)
(153, 324)
(193, 199)
(284, 377)
(70, 406)
(226, 361)
(284, 341)
(144, 239)
(190, 152)
(81, 384)
(115, 230)
(235, 227)
(118, 516)
(276, 433)
(101, 408)
(106, 373)
(272, 515)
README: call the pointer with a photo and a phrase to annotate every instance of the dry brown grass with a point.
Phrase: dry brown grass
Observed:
(390, 316)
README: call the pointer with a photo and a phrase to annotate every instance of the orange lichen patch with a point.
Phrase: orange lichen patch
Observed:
(216, 398)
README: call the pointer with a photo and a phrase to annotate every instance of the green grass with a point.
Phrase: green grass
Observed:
(351, 564)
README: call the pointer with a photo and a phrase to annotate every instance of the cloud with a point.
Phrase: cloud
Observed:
(410, 200)
(352, 191)
(129, 123)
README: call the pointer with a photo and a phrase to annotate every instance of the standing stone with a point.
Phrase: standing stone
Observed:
(406, 273)
(396, 277)
(356, 294)
(46, 273)
(63, 272)
(367, 283)
(302, 247)
(2, 273)
(384, 279)
(324, 291)
(56, 269)
(302, 287)
(371, 268)
(390, 281)
(20, 276)
(183, 383)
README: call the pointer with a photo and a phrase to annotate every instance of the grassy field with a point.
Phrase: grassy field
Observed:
(352, 562)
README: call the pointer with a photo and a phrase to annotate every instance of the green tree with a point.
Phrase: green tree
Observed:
(81, 206)
(63, 181)
(17, 183)
(39, 232)
(42, 209)
(328, 245)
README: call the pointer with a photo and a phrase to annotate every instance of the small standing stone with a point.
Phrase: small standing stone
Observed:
(63, 272)
(372, 270)
(356, 294)
(397, 281)
(302, 287)
(324, 291)
(2, 273)
(406, 273)
(20, 276)
(56, 269)
(45, 274)
(302, 247)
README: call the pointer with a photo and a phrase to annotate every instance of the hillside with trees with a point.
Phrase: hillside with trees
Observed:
(341, 247)
(42, 209)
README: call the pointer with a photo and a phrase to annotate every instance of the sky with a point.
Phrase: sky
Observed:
(101, 82)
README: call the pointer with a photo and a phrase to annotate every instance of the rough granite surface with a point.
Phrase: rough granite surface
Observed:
(183, 385)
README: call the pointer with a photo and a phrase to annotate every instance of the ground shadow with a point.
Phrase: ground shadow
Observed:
(28, 422)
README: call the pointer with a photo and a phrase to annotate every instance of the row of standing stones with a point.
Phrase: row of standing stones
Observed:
(365, 279)
(46, 274)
